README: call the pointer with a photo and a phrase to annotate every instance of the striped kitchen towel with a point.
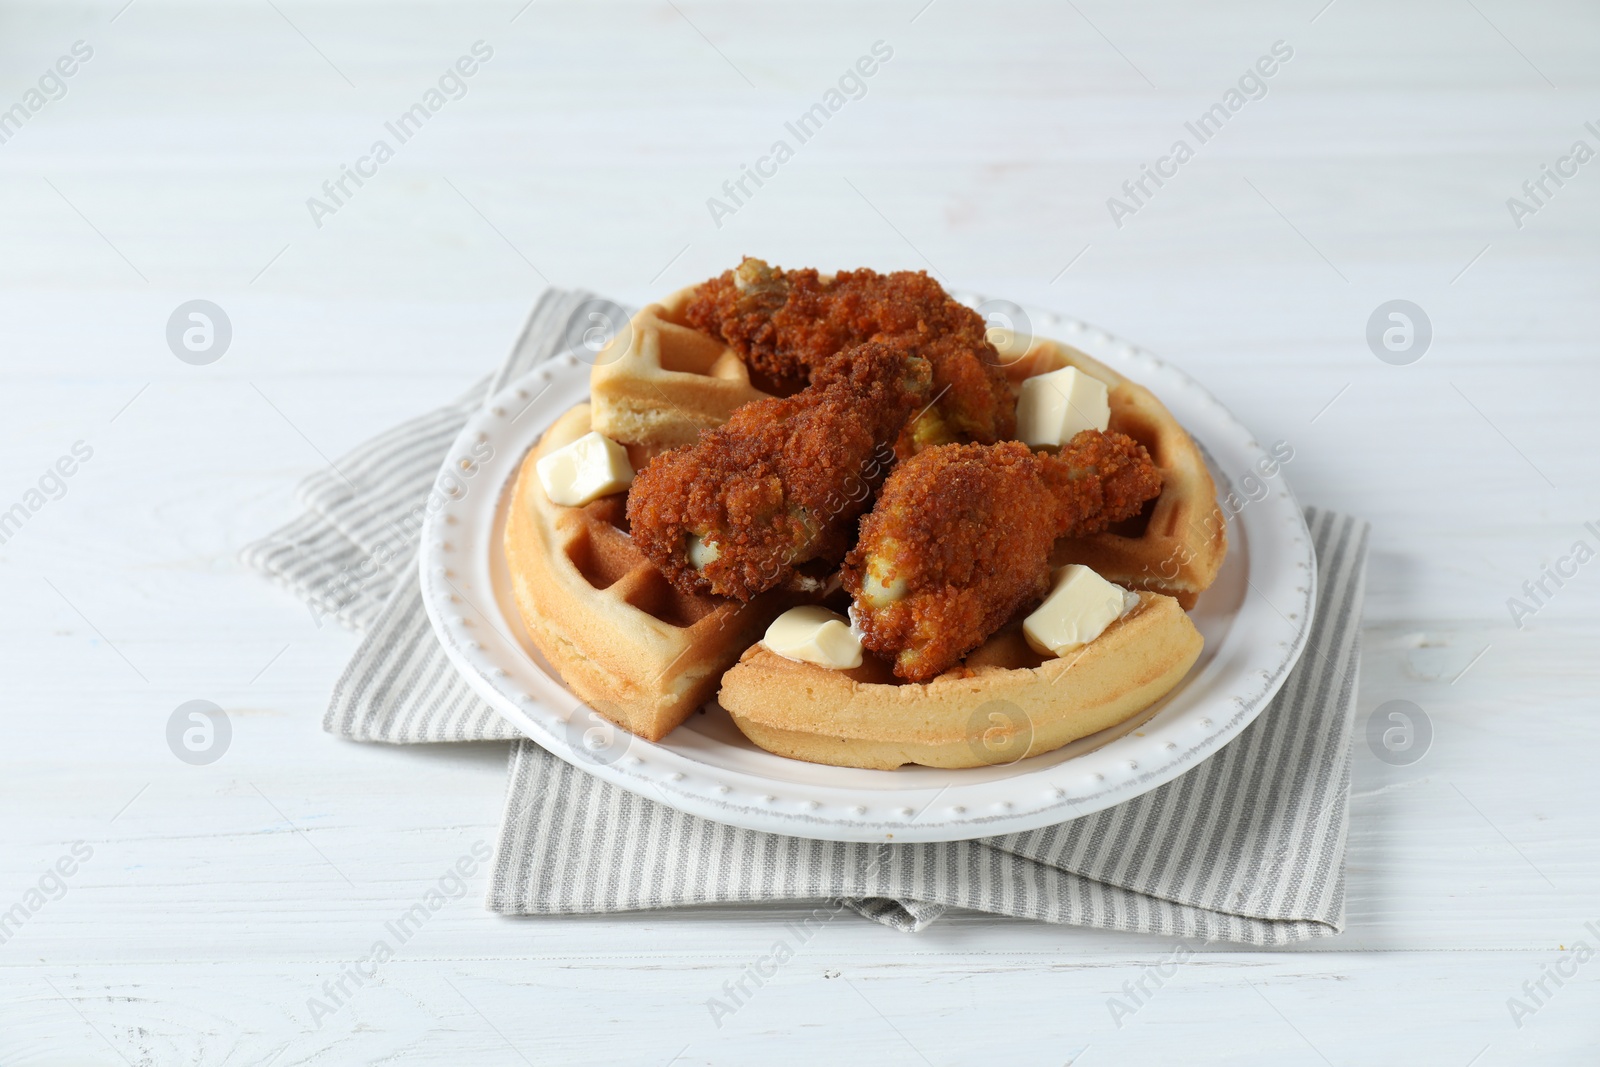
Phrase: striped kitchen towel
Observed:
(1247, 847)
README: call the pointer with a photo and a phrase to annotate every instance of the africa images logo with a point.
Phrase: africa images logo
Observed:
(51, 86)
(451, 85)
(852, 85)
(1251, 85)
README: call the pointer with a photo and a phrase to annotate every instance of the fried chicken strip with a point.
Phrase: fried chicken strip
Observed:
(785, 324)
(959, 540)
(783, 481)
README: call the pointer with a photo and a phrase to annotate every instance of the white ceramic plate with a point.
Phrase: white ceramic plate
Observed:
(1255, 620)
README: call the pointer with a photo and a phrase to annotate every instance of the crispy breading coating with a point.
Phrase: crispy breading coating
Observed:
(959, 540)
(787, 323)
(783, 481)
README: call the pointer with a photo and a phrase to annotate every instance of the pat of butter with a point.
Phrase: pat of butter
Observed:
(593, 466)
(814, 635)
(1056, 406)
(1077, 611)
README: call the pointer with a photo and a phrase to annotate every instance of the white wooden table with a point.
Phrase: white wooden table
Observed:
(207, 904)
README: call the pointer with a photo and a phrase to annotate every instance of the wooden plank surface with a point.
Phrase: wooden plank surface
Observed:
(216, 901)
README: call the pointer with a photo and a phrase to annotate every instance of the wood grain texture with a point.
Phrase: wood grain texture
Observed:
(219, 899)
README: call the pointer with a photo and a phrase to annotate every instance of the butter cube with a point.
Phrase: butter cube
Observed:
(815, 635)
(1053, 407)
(593, 466)
(1077, 611)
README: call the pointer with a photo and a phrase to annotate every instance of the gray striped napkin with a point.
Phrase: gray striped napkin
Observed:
(1247, 847)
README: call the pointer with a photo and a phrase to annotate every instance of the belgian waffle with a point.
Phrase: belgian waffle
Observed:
(639, 652)
(1003, 704)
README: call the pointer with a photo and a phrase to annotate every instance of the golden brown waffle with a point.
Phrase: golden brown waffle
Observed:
(638, 651)
(1176, 546)
(660, 382)
(1003, 704)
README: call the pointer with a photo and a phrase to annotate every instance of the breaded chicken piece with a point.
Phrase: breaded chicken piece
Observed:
(782, 482)
(960, 539)
(785, 324)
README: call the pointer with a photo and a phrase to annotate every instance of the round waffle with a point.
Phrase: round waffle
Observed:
(1004, 704)
(642, 654)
